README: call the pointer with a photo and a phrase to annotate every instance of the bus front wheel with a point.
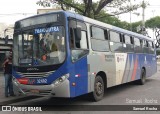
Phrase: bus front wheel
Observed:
(98, 92)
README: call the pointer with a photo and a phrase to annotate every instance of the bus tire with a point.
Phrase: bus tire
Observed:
(142, 79)
(98, 92)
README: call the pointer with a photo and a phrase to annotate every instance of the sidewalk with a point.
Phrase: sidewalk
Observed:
(2, 96)
(1, 85)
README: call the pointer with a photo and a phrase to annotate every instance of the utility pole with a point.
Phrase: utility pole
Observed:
(130, 16)
(143, 17)
(153, 27)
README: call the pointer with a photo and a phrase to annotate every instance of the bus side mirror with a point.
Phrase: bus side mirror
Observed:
(77, 32)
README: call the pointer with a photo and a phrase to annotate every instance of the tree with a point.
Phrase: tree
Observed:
(158, 52)
(99, 10)
(135, 25)
(92, 9)
(106, 18)
(153, 22)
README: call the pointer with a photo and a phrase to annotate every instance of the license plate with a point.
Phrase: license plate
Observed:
(35, 91)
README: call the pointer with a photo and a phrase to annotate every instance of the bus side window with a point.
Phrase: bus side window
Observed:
(99, 40)
(137, 45)
(79, 48)
(141, 43)
(128, 46)
(83, 43)
(145, 46)
(151, 48)
(116, 42)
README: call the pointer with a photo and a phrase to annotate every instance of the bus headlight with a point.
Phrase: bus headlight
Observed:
(61, 79)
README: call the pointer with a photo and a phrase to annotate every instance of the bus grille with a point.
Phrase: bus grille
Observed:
(35, 75)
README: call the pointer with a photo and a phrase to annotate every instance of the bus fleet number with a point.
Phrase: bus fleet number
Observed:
(40, 81)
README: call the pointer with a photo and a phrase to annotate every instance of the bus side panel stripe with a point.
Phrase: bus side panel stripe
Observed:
(131, 67)
(135, 69)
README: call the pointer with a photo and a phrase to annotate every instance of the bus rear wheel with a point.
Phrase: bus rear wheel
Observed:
(98, 92)
(142, 79)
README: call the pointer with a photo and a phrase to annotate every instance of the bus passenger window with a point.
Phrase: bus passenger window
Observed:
(137, 45)
(115, 42)
(145, 43)
(127, 39)
(128, 42)
(82, 44)
(99, 39)
(98, 33)
(151, 48)
(145, 46)
(141, 43)
(114, 36)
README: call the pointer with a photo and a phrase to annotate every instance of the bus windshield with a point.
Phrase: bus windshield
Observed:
(39, 46)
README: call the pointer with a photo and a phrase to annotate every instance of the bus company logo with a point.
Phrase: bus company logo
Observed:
(31, 69)
(120, 59)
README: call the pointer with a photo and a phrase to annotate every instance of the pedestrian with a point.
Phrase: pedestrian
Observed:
(7, 65)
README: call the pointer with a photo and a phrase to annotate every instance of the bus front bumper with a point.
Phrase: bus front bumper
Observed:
(61, 90)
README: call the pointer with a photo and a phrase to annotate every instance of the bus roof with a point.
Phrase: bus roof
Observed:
(95, 22)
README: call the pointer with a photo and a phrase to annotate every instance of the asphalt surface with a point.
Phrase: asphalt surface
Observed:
(126, 94)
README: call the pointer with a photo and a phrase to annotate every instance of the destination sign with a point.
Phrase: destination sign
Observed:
(46, 30)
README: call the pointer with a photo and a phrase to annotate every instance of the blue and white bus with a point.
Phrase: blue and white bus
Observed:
(63, 54)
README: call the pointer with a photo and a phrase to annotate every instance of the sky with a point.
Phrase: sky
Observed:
(13, 10)
(152, 10)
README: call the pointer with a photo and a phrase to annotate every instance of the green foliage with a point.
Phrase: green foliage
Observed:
(135, 25)
(153, 22)
(158, 52)
(106, 18)
(91, 8)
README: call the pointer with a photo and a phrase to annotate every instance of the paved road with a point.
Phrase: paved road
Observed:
(126, 94)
